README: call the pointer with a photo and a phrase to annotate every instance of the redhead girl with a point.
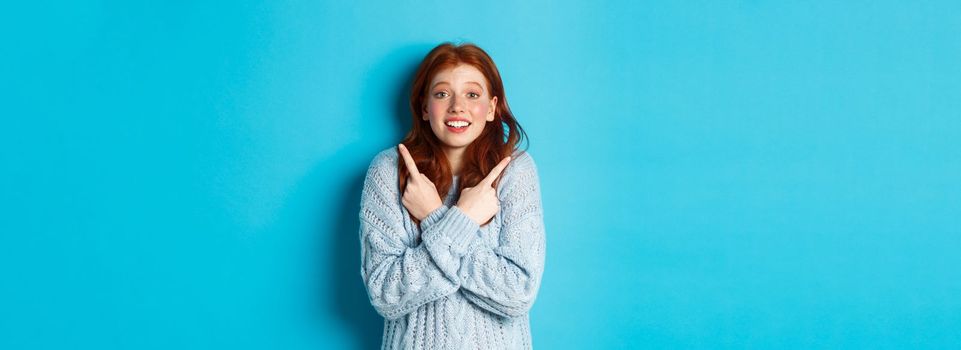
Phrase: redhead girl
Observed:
(451, 223)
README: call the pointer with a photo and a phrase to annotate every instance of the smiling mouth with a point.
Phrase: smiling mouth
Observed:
(457, 124)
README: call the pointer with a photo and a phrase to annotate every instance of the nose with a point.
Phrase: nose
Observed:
(456, 105)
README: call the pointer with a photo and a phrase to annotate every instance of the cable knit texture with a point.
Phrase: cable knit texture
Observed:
(449, 283)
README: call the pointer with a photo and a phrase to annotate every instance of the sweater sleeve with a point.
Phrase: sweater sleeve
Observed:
(400, 275)
(504, 279)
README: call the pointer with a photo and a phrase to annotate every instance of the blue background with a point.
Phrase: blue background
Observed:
(766, 174)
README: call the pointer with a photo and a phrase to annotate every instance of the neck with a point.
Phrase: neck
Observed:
(455, 156)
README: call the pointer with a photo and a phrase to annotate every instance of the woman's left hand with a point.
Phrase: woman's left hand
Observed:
(420, 195)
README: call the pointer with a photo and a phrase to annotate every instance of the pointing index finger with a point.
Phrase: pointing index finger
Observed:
(411, 166)
(489, 180)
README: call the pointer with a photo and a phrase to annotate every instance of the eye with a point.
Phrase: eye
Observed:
(472, 95)
(440, 94)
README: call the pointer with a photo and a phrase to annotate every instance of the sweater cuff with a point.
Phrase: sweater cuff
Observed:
(455, 230)
(432, 218)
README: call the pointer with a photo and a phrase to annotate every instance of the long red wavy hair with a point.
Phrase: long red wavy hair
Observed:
(500, 138)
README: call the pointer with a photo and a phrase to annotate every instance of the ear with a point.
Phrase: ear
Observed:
(493, 109)
(426, 117)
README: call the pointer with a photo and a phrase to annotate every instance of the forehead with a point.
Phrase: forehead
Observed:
(459, 75)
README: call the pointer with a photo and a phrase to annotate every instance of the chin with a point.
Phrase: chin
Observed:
(457, 144)
(452, 140)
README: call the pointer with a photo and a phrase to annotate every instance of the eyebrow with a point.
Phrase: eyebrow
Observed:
(467, 82)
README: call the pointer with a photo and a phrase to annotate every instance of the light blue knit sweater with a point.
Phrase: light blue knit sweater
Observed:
(449, 283)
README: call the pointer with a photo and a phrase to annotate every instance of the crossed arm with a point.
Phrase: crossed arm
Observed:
(399, 277)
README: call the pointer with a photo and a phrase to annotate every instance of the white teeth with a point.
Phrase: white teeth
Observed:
(458, 124)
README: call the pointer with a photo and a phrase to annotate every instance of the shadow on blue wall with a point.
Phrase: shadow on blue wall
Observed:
(350, 297)
(391, 80)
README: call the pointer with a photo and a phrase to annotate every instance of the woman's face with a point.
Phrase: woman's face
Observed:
(459, 105)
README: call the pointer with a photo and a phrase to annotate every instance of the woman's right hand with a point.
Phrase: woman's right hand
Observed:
(420, 195)
(480, 202)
